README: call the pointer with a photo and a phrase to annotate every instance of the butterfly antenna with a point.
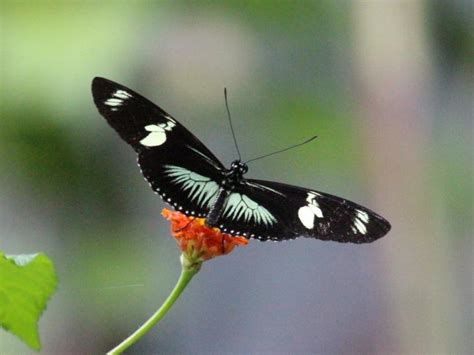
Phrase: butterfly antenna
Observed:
(282, 150)
(230, 122)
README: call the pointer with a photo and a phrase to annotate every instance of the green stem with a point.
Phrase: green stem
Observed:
(187, 273)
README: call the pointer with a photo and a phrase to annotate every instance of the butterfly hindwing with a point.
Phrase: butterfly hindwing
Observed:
(251, 211)
(297, 211)
(184, 181)
(175, 163)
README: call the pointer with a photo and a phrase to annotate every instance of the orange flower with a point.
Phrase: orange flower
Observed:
(197, 241)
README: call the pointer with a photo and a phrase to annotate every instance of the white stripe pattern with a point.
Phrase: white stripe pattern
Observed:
(360, 222)
(239, 206)
(200, 189)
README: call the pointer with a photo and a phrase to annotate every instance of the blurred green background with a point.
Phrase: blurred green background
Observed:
(386, 85)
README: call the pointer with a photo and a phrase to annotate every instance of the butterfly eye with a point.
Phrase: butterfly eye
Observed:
(235, 164)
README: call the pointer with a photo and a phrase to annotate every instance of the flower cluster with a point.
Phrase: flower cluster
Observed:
(197, 241)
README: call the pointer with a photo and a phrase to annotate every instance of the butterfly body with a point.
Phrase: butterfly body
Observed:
(232, 177)
(187, 175)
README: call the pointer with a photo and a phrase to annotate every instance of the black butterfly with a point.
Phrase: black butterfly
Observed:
(191, 179)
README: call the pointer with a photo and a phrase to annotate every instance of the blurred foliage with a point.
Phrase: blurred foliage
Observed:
(286, 16)
(27, 283)
(453, 31)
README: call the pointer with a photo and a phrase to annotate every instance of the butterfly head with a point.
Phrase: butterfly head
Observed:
(235, 173)
(238, 168)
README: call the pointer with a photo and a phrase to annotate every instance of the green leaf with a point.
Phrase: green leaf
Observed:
(26, 283)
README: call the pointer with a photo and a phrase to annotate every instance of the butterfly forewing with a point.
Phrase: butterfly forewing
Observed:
(140, 122)
(175, 163)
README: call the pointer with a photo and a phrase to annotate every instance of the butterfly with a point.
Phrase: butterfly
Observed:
(188, 176)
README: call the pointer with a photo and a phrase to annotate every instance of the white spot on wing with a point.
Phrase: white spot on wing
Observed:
(360, 226)
(307, 213)
(155, 138)
(360, 221)
(121, 94)
(168, 126)
(363, 216)
(113, 102)
(117, 99)
(315, 209)
(169, 118)
(157, 134)
(306, 217)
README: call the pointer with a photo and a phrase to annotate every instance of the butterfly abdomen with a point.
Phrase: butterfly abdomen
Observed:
(217, 207)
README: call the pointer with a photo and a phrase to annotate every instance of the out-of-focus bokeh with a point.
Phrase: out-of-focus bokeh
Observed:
(386, 85)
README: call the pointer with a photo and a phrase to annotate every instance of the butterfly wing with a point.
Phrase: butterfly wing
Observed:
(175, 163)
(268, 210)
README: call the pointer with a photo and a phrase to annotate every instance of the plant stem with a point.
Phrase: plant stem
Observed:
(187, 274)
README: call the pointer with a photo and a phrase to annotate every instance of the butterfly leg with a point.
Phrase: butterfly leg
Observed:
(183, 228)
